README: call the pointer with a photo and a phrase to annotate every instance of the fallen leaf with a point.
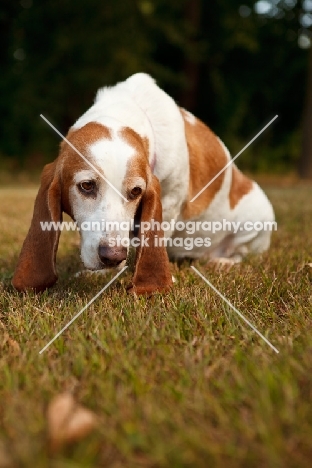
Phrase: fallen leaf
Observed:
(68, 421)
(5, 459)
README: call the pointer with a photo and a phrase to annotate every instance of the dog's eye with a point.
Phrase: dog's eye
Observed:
(135, 192)
(87, 186)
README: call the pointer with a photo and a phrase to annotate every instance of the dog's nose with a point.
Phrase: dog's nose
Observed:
(112, 256)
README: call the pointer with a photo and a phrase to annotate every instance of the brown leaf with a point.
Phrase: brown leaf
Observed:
(5, 459)
(68, 421)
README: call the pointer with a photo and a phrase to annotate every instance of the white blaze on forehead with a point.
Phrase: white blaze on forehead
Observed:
(112, 157)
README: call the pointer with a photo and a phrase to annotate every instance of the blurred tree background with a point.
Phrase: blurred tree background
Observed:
(234, 63)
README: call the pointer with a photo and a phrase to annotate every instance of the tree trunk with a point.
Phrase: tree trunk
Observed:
(188, 97)
(305, 162)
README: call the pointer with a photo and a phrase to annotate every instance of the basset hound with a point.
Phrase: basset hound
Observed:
(136, 155)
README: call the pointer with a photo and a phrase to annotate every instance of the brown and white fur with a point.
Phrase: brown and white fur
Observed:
(138, 138)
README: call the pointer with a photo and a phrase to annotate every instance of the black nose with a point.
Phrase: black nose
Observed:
(112, 256)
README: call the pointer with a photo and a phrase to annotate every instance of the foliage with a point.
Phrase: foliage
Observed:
(233, 67)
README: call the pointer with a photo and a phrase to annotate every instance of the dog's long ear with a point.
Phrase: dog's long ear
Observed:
(152, 271)
(36, 264)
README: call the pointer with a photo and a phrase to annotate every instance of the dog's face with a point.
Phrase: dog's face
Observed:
(83, 181)
(117, 161)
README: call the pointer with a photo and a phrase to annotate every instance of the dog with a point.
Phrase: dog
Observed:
(136, 155)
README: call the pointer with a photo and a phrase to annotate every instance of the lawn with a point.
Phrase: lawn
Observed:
(177, 380)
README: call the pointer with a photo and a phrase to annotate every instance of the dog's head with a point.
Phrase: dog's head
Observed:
(102, 179)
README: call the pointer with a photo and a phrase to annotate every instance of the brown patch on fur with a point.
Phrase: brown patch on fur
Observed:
(90, 132)
(240, 186)
(140, 144)
(72, 162)
(137, 166)
(81, 139)
(206, 159)
(146, 146)
(133, 139)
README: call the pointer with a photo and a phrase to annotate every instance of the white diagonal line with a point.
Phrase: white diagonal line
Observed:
(235, 310)
(83, 309)
(232, 160)
(82, 156)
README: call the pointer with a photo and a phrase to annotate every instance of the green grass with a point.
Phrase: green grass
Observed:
(177, 380)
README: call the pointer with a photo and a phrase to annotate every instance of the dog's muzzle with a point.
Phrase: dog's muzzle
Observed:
(112, 256)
